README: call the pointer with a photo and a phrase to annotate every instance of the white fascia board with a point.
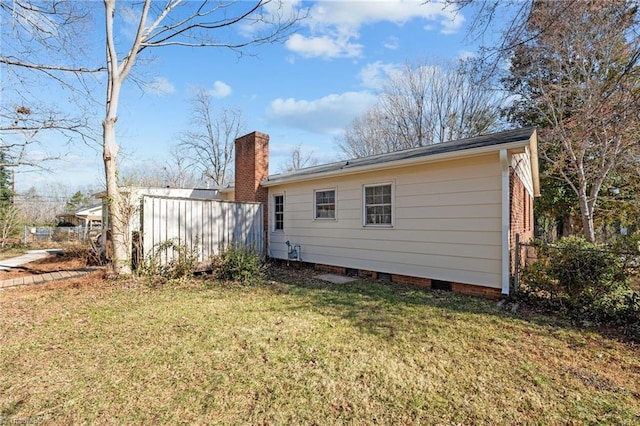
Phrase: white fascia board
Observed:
(474, 152)
(533, 153)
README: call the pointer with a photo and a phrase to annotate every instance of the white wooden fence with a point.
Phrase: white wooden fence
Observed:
(202, 226)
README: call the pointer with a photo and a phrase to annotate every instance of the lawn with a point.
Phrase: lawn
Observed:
(299, 351)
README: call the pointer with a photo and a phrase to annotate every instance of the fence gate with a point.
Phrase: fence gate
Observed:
(205, 226)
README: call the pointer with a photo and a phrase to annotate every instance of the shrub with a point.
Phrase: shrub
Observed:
(584, 281)
(179, 260)
(620, 306)
(574, 268)
(242, 264)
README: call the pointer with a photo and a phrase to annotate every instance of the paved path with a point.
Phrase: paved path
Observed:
(31, 256)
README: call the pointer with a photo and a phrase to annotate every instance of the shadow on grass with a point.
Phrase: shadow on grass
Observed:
(381, 308)
(384, 309)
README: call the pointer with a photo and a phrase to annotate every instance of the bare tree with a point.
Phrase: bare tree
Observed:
(209, 145)
(174, 172)
(579, 79)
(22, 130)
(299, 159)
(421, 105)
(52, 28)
(9, 221)
(178, 173)
(40, 206)
(29, 115)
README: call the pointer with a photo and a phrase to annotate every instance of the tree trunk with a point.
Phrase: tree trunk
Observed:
(586, 214)
(567, 225)
(118, 228)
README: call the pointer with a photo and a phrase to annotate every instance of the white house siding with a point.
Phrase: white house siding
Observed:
(446, 222)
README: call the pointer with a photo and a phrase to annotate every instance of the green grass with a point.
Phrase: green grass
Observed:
(298, 351)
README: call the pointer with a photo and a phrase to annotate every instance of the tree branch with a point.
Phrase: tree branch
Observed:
(44, 67)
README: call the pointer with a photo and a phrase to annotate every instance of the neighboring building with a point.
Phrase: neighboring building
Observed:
(443, 216)
(87, 217)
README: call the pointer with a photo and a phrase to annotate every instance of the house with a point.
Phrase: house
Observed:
(87, 217)
(443, 216)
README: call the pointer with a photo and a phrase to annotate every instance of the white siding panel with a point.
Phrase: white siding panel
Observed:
(446, 225)
(207, 226)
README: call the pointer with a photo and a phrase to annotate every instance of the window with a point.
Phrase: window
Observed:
(278, 212)
(325, 204)
(377, 205)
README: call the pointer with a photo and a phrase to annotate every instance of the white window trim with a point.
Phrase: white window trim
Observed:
(393, 206)
(335, 204)
(273, 215)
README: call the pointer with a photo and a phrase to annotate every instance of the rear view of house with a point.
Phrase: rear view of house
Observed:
(443, 216)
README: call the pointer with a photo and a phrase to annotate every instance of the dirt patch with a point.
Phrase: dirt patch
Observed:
(52, 263)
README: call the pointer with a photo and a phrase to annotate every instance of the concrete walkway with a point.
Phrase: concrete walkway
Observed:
(30, 256)
(34, 255)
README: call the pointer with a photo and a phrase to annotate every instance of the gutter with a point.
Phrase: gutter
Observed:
(505, 223)
(406, 162)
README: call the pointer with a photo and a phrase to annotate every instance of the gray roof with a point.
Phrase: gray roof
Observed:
(502, 138)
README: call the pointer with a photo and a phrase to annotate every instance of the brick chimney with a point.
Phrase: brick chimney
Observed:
(252, 166)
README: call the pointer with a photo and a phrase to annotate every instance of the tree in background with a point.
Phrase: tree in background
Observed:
(47, 37)
(175, 172)
(9, 221)
(6, 180)
(299, 159)
(9, 215)
(511, 30)
(78, 200)
(421, 105)
(40, 206)
(574, 72)
(209, 145)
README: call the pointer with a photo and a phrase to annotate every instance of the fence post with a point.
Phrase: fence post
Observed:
(516, 278)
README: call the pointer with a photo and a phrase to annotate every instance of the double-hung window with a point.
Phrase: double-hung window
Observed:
(278, 212)
(325, 204)
(378, 205)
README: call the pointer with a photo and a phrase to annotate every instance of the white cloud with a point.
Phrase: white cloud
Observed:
(374, 75)
(392, 43)
(220, 90)
(334, 24)
(452, 24)
(159, 86)
(325, 47)
(353, 14)
(465, 54)
(329, 114)
(272, 11)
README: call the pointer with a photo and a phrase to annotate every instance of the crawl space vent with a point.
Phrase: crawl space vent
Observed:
(350, 272)
(440, 285)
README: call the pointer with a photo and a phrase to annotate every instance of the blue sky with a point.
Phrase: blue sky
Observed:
(303, 91)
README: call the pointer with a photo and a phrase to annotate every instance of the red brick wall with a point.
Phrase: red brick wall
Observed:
(521, 220)
(476, 290)
(251, 167)
(330, 268)
(468, 289)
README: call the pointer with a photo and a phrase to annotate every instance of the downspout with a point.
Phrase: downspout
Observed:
(506, 219)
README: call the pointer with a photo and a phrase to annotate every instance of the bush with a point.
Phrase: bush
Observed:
(620, 306)
(179, 260)
(575, 269)
(241, 264)
(585, 282)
